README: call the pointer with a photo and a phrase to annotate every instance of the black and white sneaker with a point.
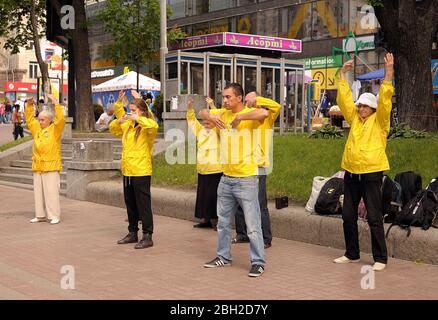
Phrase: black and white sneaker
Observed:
(217, 262)
(256, 270)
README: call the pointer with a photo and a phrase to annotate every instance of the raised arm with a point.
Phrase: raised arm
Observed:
(119, 111)
(345, 96)
(29, 112)
(192, 122)
(272, 106)
(384, 104)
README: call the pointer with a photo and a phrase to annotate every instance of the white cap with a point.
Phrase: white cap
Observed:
(368, 99)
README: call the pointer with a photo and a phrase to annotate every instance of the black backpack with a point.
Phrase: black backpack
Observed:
(410, 183)
(433, 185)
(328, 199)
(391, 198)
(420, 211)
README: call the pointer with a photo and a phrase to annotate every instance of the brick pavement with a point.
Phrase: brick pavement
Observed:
(31, 257)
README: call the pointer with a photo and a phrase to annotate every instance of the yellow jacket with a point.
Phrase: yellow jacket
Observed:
(136, 155)
(46, 150)
(208, 161)
(274, 109)
(365, 148)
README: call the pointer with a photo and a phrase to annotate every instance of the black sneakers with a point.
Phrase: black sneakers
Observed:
(145, 242)
(256, 270)
(217, 262)
(129, 238)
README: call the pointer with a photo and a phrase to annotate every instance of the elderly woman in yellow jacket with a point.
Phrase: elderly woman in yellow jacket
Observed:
(46, 159)
(208, 167)
(138, 130)
(364, 161)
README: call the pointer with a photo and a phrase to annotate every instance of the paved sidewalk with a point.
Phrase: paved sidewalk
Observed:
(32, 255)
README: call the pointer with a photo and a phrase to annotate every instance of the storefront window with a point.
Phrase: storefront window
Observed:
(250, 79)
(201, 28)
(184, 78)
(178, 8)
(362, 18)
(300, 22)
(216, 5)
(172, 71)
(247, 24)
(222, 25)
(267, 22)
(245, 2)
(201, 6)
(197, 78)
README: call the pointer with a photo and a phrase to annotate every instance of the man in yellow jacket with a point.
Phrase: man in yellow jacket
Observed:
(364, 161)
(265, 155)
(238, 126)
(46, 159)
(138, 130)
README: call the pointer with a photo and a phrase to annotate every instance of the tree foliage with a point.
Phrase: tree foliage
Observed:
(135, 28)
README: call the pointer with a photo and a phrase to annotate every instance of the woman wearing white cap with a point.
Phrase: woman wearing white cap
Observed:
(364, 161)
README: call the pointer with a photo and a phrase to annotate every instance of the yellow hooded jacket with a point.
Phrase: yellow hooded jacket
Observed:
(46, 150)
(365, 148)
(208, 160)
(136, 155)
(265, 148)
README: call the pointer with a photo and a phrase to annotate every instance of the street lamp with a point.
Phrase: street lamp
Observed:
(163, 49)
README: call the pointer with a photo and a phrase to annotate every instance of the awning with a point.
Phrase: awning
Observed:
(374, 75)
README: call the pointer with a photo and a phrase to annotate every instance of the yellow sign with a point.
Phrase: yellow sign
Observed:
(125, 70)
(327, 78)
(244, 25)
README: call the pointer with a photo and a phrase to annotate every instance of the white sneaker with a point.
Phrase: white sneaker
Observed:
(379, 266)
(35, 220)
(55, 221)
(344, 259)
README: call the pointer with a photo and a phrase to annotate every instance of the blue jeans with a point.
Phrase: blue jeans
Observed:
(231, 193)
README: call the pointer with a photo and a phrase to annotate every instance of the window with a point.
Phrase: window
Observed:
(221, 4)
(33, 70)
(178, 8)
(172, 70)
(201, 6)
(267, 22)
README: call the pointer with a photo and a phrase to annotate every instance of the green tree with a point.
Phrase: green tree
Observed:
(135, 28)
(22, 22)
(409, 27)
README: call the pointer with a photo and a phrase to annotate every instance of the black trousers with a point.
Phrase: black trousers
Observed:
(266, 222)
(137, 192)
(18, 131)
(366, 186)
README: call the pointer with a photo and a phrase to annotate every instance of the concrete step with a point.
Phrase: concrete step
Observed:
(24, 179)
(62, 192)
(25, 171)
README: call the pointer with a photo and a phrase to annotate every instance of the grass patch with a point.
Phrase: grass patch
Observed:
(12, 144)
(297, 159)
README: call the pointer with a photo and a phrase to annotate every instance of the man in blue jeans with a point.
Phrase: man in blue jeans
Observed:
(239, 184)
(252, 100)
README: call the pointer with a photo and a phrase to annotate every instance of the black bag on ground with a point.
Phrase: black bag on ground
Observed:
(391, 198)
(410, 183)
(328, 199)
(433, 185)
(420, 211)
